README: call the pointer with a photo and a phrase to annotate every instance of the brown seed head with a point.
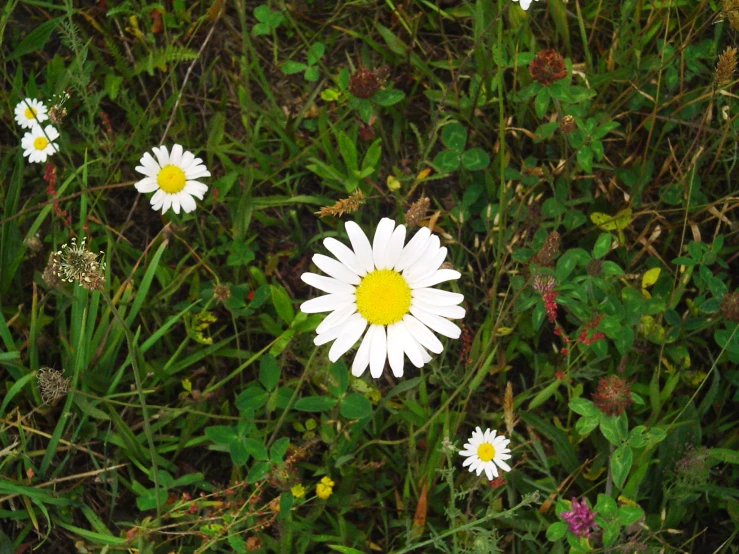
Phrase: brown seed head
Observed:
(548, 66)
(567, 125)
(613, 395)
(51, 384)
(221, 293)
(730, 11)
(363, 83)
(417, 211)
(347, 205)
(545, 256)
(725, 66)
(51, 272)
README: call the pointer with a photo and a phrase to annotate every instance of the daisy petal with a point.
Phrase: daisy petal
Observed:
(378, 352)
(353, 329)
(422, 334)
(337, 317)
(395, 350)
(438, 324)
(335, 269)
(437, 277)
(424, 268)
(328, 336)
(362, 359)
(345, 255)
(502, 464)
(437, 297)
(361, 245)
(410, 346)
(383, 233)
(327, 284)
(413, 250)
(451, 312)
(326, 303)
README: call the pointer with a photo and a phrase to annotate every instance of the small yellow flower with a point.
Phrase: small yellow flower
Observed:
(324, 488)
(298, 490)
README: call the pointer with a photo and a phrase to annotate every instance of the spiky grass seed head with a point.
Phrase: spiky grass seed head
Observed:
(77, 264)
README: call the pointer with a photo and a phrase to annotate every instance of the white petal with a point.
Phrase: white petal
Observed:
(176, 156)
(345, 255)
(438, 324)
(491, 471)
(425, 356)
(327, 284)
(410, 346)
(451, 312)
(395, 350)
(175, 203)
(162, 155)
(361, 245)
(188, 204)
(422, 334)
(195, 189)
(328, 336)
(186, 161)
(379, 243)
(166, 202)
(502, 464)
(335, 269)
(147, 184)
(361, 360)
(429, 251)
(437, 297)
(413, 249)
(525, 4)
(353, 329)
(378, 351)
(197, 173)
(437, 277)
(326, 303)
(395, 247)
(337, 317)
(425, 266)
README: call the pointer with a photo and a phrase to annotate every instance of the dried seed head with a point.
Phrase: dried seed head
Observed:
(58, 112)
(345, 205)
(594, 268)
(567, 125)
(51, 272)
(34, 244)
(613, 395)
(545, 256)
(730, 11)
(364, 83)
(548, 66)
(729, 307)
(508, 414)
(81, 266)
(725, 66)
(221, 293)
(51, 384)
(417, 211)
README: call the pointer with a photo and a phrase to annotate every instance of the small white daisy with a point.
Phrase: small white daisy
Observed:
(387, 287)
(524, 3)
(38, 144)
(30, 112)
(172, 176)
(486, 452)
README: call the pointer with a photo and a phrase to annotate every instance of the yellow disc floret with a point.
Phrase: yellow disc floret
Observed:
(171, 179)
(39, 143)
(30, 113)
(486, 452)
(383, 297)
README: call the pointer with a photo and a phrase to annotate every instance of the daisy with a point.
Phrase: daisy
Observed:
(30, 112)
(172, 176)
(486, 452)
(38, 144)
(386, 289)
(524, 3)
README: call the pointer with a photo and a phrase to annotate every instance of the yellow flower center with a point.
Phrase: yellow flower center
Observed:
(171, 179)
(30, 113)
(39, 143)
(486, 452)
(383, 297)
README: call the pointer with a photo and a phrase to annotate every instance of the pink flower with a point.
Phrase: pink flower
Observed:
(581, 518)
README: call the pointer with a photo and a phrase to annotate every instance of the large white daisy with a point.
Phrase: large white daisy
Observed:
(38, 144)
(386, 289)
(172, 176)
(486, 452)
(30, 112)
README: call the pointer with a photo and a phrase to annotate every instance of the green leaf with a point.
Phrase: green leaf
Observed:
(239, 454)
(344, 549)
(312, 74)
(348, 151)
(387, 97)
(621, 461)
(585, 159)
(605, 506)
(585, 425)
(315, 52)
(256, 449)
(252, 398)
(614, 428)
(625, 340)
(475, 159)
(260, 29)
(282, 303)
(616, 222)
(258, 471)
(454, 137)
(278, 450)
(447, 161)
(724, 455)
(628, 515)
(35, 40)
(556, 531)
(315, 404)
(602, 245)
(584, 407)
(355, 406)
(565, 264)
(372, 157)
(236, 542)
(290, 67)
(88, 408)
(221, 434)
(269, 372)
(240, 254)
(541, 102)
(544, 394)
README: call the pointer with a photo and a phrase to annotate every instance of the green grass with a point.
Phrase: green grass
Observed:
(191, 419)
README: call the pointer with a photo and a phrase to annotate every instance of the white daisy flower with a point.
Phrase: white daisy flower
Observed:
(486, 452)
(387, 287)
(30, 112)
(38, 144)
(172, 176)
(524, 3)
